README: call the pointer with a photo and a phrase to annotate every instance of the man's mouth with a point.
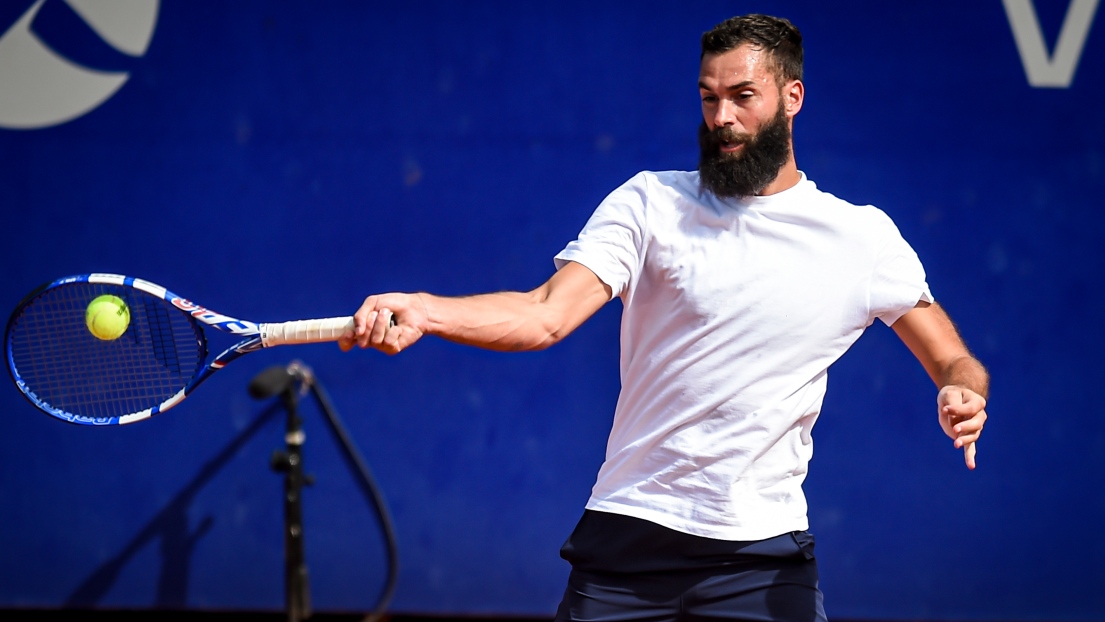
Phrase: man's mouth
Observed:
(730, 147)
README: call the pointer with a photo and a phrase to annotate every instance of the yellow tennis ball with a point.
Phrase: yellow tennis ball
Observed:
(107, 317)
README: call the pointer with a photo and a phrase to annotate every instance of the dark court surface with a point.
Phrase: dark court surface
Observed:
(157, 615)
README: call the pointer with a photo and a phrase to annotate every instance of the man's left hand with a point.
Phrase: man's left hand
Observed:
(962, 414)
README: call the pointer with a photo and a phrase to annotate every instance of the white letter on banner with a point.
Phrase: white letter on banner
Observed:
(1058, 70)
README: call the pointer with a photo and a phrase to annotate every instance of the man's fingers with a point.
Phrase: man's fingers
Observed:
(966, 429)
(951, 395)
(962, 416)
(966, 438)
(362, 319)
(377, 326)
(951, 401)
(365, 336)
(968, 423)
(381, 322)
(394, 339)
(970, 407)
(969, 455)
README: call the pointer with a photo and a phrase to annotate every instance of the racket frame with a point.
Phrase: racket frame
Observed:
(255, 336)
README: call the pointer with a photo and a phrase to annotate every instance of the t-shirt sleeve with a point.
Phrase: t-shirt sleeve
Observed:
(611, 243)
(898, 282)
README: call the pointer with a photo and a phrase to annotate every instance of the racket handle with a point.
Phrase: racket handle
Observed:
(304, 331)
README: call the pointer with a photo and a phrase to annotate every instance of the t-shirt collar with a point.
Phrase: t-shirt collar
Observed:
(803, 185)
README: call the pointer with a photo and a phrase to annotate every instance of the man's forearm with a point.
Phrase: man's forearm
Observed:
(503, 321)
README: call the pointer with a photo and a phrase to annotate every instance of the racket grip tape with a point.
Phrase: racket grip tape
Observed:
(306, 331)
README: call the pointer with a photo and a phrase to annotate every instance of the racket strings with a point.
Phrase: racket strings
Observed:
(162, 337)
(66, 367)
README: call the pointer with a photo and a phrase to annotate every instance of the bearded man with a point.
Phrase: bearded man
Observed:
(742, 283)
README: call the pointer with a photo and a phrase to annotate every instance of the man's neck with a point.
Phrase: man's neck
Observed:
(787, 178)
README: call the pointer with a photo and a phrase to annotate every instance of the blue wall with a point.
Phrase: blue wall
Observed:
(283, 160)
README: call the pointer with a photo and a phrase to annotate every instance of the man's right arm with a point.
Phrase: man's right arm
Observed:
(504, 321)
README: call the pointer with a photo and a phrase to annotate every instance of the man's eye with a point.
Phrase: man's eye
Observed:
(709, 99)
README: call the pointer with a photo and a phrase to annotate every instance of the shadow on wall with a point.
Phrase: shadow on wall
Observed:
(170, 527)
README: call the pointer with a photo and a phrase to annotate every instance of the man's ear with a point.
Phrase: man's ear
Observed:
(793, 94)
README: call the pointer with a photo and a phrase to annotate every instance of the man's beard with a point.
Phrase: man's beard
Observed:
(747, 172)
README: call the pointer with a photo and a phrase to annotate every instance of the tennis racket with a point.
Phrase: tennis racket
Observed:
(66, 371)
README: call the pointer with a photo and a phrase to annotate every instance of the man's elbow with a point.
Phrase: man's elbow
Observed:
(552, 331)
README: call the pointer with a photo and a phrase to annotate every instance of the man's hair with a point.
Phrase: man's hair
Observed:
(775, 35)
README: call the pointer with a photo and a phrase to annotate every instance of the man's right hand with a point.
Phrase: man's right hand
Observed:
(389, 323)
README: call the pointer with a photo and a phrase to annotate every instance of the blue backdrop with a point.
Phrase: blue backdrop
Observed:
(277, 160)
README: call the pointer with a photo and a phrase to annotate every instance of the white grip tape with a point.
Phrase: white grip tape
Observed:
(305, 331)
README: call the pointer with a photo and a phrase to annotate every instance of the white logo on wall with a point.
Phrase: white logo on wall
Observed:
(39, 88)
(1057, 69)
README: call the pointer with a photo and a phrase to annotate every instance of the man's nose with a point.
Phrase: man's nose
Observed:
(725, 114)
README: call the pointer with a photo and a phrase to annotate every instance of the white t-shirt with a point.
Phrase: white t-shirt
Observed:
(733, 311)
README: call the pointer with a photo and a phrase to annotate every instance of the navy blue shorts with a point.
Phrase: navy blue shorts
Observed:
(626, 569)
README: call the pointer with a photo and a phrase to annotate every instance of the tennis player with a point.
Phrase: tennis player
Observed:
(742, 282)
